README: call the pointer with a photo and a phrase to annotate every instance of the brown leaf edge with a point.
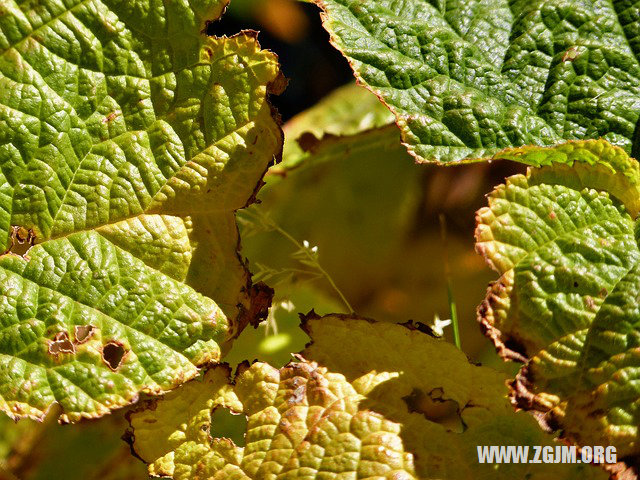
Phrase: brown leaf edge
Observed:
(507, 344)
(258, 296)
(411, 325)
(521, 389)
(522, 396)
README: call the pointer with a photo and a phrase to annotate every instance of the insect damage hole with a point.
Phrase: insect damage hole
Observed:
(112, 354)
(21, 240)
(227, 424)
(83, 333)
(61, 344)
(436, 408)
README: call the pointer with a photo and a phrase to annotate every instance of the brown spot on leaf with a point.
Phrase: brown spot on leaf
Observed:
(109, 118)
(552, 215)
(591, 305)
(112, 354)
(308, 141)
(605, 242)
(83, 333)
(570, 55)
(297, 396)
(419, 326)
(61, 344)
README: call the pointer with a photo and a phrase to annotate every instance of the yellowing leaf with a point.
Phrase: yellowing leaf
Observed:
(345, 122)
(302, 422)
(446, 406)
(401, 404)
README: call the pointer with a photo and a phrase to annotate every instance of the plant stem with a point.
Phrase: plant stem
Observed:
(264, 219)
(447, 273)
(315, 262)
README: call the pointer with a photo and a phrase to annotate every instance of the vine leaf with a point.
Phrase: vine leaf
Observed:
(347, 121)
(466, 79)
(425, 408)
(564, 239)
(301, 420)
(128, 140)
(446, 405)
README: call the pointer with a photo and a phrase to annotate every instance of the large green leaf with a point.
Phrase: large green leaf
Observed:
(468, 78)
(566, 247)
(128, 138)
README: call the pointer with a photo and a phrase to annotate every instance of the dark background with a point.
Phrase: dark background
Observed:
(293, 30)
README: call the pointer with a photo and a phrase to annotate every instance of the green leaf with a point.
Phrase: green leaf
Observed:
(566, 301)
(128, 140)
(466, 79)
(345, 122)
(302, 421)
(446, 405)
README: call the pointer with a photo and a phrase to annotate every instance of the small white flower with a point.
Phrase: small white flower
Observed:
(438, 325)
(305, 243)
(314, 249)
(287, 305)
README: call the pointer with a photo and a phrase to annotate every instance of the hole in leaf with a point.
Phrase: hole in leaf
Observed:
(83, 333)
(61, 344)
(575, 284)
(112, 354)
(225, 424)
(21, 240)
(436, 408)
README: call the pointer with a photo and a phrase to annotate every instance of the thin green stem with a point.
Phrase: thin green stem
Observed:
(312, 259)
(454, 316)
(315, 262)
(447, 273)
